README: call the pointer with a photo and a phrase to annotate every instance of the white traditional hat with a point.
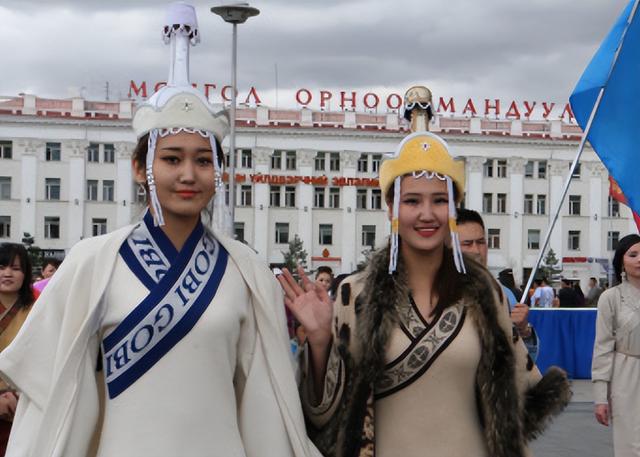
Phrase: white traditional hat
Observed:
(179, 107)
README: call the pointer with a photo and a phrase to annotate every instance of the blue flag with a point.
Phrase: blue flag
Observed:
(615, 131)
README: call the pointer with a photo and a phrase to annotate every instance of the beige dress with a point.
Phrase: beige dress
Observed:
(616, 364)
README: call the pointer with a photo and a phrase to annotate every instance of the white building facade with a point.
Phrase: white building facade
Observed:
(65, 174)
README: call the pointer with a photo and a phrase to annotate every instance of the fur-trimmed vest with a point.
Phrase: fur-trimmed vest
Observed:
(511, 412)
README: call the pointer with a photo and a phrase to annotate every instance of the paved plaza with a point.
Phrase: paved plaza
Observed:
(575, 433)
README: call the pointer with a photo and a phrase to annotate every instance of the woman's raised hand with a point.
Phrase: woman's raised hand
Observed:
(311, 306)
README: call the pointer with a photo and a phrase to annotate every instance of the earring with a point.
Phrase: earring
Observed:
(142, 191)
(624, 275)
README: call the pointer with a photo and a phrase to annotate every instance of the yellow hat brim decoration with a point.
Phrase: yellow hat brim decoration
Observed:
(422, 151)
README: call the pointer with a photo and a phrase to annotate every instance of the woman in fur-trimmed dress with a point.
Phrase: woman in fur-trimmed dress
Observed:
(417, 356)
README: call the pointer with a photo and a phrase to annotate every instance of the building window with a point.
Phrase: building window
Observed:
(109, 153)
(542, 169)
(227, 192)
(576, 172)
(245, 195)
(319, 162)
(318, 197)
(291, 160)
(528, 204)
(93, 152)
(542, 204)
(108, 190)
(369, 236)
(6, 149)
(282, 232)
(376, 199)
(5, 187)
(334, 161)
(533, 239)
(51, 227)
(375, 162)
(274, 196)
(276, 160)
(238, 231)
(574, 240)
(52, 151)
(325, 234)
(361, 199)
(227, 159)
(290, 196)
(334, 197)
(98, 227)
(92, 189)
(528, 169)
(246, 161)
(501, 203)
(487, 168)
(613, 207)
(52, 188)
(493, 238)
(487, 206)
(502, 169)
(574, 205)
(363, 163)
(612, 240)
(5, 226)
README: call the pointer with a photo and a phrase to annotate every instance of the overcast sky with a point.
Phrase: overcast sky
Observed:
(509, 49)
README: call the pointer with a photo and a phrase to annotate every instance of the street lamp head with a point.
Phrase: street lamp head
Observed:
(235, 13)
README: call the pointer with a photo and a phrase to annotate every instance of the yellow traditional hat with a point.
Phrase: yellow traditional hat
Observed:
(423, 154)
(422, 151)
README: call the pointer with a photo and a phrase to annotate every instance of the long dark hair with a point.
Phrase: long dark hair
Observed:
(623, 246)
(8, 254)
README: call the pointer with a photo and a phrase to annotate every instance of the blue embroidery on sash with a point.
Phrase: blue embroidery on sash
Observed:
(174, 305)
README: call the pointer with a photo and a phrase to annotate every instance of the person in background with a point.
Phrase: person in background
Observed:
(324, 277)
(615, 369)
(505, 277)
(567, 295)
(543, 295)
(16, 300)
(593, 294)
(579, 294)
(49, 267)
(473, 243)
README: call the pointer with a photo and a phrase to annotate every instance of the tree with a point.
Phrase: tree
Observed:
(296, 255)
(34, 252)
(549, 266)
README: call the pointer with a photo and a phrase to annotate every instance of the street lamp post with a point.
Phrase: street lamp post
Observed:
(234, 14)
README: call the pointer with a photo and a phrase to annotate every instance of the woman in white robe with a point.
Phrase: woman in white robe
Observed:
(616, 352)
(164, 338)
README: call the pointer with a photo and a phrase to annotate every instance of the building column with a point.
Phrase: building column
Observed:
(261, 158)
(77, 183)
(516, 220)
(349, 242)
(124, 185)
(596, 208)
(28, 185)
(304, 196)
(557, 171)
(474, 183)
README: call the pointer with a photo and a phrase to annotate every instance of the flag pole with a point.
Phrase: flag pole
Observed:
(574, 165)
(577, 158)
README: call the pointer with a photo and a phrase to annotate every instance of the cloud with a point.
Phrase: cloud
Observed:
(496, 48)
